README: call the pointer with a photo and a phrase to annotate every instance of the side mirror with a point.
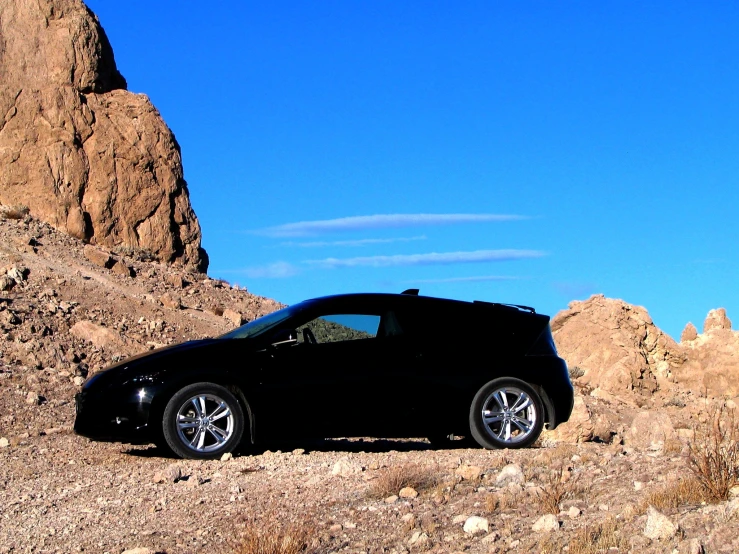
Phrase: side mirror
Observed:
(284, 336)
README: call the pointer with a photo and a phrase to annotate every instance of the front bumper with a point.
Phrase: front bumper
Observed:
(114, 416)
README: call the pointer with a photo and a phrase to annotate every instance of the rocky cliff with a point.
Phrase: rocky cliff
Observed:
(79, 150)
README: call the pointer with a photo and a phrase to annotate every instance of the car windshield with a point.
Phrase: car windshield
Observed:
(262, 324)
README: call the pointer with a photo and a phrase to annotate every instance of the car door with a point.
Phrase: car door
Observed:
(332, 381)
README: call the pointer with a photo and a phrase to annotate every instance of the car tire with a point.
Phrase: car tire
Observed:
(203, 421)
(506, 413)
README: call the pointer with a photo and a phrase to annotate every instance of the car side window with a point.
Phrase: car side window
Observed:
(339, 328)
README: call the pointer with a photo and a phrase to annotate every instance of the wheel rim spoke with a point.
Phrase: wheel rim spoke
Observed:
(509, 415)
(195, 423)
(219, 434)
(522, 403)
(220, 412)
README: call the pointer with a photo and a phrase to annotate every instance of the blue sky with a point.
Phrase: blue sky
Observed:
(523, 152)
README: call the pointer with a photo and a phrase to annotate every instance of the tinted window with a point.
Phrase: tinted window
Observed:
(341, 327)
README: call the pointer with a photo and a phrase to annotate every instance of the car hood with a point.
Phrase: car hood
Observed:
(133, 364)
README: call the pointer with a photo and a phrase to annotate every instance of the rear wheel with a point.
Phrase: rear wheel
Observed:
(203, 421)
(506, 413)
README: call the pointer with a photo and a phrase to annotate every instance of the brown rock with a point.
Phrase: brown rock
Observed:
(98, 257)
(579, 428)
(689, 333)
(716, 319)
(80, 151)
(469, 473)
(650, 430)
(99, 336)
(6, 283)
(121, 268)
(233, 316)
(171, 301)
(175, 280)
(620, 350)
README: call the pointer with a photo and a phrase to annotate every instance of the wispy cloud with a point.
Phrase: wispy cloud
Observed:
(277, 270)
(433, 258)
(378, 221)
(469, 279)
(358, 242)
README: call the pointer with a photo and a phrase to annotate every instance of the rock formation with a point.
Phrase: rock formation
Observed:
(616, 346)
(84, 154)
(621, 354)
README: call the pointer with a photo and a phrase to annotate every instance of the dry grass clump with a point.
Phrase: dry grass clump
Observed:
(713, 454)
(410, 475)
(558, 485)
(18, 211)
(272, 539)
(594, 539)
(576, 372)
(670, 497)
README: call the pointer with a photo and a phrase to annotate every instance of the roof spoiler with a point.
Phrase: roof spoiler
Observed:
(411, 292)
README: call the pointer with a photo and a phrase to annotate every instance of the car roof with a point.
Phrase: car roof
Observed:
(410, 299)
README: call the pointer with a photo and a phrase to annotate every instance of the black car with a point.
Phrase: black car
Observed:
(354, 365)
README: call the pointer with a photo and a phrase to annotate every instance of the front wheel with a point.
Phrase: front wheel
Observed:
(203, 421)
(506, 413)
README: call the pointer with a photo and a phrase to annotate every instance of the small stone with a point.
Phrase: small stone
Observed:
(78, 381)
(171, 301)
(139, 550)
(603, 507)
(392, 499)
(546, 524)
(298, 452)
(175, 280)
(469, 473)
(659, 526)
(693, 546)
(408, 492)
(459, 519)
(4, 442)
(98, 257)
(6, 283)
(511, 473)
(638, 485)
(120, 268)
(335, 528)
(33, 399)
(419, 538)
(171, 474)
(226, 456)
(346, 468)
(233, 316)
(476, 524)
(574, 512)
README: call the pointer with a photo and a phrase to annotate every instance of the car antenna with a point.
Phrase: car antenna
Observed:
(411, 292)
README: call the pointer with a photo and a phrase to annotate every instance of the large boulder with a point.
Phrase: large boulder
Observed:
(617, 347)
(80, 151)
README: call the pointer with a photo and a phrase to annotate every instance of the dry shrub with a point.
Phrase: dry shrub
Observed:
(713, 454)
(273, 539)
(410, 475)
(18, 211)
(671, 496)
(594, 539)
(576, 372)
(558, 485)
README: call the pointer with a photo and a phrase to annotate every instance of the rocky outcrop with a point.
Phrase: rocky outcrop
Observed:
(689, 333)
(617, 347)
(716, 319)
(620, 353)
(84, 154)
